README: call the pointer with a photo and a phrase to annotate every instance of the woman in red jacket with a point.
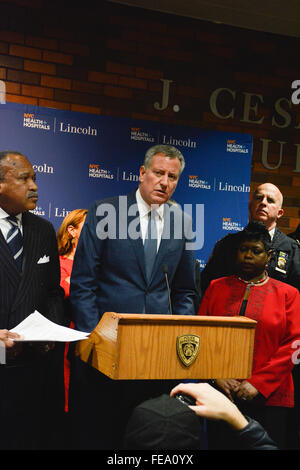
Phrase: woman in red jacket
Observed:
(269, 393)
(67, 238)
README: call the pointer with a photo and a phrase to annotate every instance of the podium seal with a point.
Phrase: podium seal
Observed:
(187, 347)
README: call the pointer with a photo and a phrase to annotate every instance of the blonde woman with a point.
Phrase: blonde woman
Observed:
(67, 239)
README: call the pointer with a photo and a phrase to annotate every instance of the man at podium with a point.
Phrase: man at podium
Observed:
(134, 256)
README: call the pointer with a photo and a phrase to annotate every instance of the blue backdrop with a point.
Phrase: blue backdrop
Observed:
(82, 157)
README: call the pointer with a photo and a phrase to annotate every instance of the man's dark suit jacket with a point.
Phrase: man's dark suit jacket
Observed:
(22, 378)
(109, 274)
(37, 288)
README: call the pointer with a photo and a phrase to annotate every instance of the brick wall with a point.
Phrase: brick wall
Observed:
(110, 59)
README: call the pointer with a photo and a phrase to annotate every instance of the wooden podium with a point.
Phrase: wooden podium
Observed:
(143, 347)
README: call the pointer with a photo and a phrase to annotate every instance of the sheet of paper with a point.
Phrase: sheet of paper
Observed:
(38, 328)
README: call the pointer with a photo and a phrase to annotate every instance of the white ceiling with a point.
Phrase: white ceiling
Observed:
(272, 16)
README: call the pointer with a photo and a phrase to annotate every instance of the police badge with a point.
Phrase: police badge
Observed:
(282, 261)
(187, 348)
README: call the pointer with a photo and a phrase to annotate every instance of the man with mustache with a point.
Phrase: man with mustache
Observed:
(26, 284)
(284, 265)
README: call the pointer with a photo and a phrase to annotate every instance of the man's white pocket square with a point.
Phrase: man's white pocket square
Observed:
(44, 259)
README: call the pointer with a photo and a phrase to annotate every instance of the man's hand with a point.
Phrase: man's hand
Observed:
(8, 338)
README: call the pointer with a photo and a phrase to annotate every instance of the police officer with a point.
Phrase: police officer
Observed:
(284, 265)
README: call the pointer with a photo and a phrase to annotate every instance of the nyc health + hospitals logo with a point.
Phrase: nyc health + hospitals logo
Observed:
(137, 134)
(233, 147)
(96, 171)
(35, 122)
(198, 183)
(231, 225)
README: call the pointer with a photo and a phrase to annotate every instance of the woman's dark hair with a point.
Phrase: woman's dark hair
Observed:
(256, 231)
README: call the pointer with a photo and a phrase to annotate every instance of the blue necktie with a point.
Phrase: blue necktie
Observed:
(15, 241)
(150, 244)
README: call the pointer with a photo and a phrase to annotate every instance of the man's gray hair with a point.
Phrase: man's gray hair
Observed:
(168, 150)
(3, 155)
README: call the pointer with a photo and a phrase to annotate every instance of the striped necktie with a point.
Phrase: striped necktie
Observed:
(150, 244)
(15, 241)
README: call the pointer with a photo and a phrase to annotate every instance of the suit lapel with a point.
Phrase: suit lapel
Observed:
(7, 263)
(167, 235)
(31, 245)
(134, 224)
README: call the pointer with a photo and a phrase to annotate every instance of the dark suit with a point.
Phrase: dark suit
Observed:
(37, 288)
(109, 275)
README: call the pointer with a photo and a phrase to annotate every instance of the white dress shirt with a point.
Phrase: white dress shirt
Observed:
(144, 210)
(271, 232)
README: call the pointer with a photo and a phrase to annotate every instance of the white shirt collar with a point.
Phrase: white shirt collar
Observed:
(144, 208)
(272, 232)
(4, 215)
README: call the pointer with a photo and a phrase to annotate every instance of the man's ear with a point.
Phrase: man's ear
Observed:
(280, 213)
(142, 172)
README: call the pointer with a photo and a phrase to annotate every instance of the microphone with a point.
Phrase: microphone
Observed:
(164, 269)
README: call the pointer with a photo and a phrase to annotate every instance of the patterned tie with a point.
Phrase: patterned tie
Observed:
(15, 241)
(150, 245)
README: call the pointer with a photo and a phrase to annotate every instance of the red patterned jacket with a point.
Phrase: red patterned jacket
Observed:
(276, 308)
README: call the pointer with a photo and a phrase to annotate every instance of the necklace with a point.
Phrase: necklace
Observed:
(255, 283)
